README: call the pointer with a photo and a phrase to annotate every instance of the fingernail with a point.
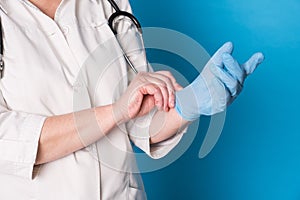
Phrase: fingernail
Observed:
(172, 104)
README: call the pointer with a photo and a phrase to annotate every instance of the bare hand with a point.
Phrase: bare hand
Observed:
(146, 91)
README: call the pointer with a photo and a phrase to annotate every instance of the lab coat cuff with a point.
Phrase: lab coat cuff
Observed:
(161, 149)
(33, 127)
(140, 136)
(21, 162)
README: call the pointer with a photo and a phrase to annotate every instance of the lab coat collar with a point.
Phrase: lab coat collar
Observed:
(6, 4)
(3, 6)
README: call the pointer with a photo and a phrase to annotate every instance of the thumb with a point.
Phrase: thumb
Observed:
(253, 62)
(147, 105)
(217, 57)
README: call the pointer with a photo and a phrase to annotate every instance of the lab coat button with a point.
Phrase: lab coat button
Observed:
(77, 86)
(65, 29)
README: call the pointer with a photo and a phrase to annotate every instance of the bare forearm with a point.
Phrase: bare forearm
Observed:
(166, 124)
(65, 134)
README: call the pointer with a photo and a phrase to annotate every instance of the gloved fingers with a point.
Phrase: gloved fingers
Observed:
(230, 83)
(217, 57)
(233, 67)
(168, 78)
(253, 62)
(163, 86)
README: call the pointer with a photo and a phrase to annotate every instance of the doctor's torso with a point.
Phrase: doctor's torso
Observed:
(46, 73)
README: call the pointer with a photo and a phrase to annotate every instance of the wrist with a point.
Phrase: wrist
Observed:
(118, 114)
(105, 117)
(185, 105)
(192, 101)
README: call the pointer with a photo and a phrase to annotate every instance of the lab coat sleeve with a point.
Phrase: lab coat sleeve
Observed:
(19, 137)
(139, 134)
(138, 129)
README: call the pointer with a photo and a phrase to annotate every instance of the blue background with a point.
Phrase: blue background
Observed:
(258, 154)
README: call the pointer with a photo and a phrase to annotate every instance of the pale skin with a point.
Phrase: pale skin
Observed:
(59, 136)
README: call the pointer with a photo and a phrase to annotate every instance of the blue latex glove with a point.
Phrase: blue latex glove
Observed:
(219, 83)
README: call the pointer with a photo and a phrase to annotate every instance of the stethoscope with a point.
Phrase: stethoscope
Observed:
(1, 51)
(136, 23)
(118, 13)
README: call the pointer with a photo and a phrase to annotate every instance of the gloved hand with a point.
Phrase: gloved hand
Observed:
(219, 83)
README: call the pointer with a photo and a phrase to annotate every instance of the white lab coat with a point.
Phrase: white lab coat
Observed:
(42, 60)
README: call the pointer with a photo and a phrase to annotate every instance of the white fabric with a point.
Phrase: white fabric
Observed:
(42, 60)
